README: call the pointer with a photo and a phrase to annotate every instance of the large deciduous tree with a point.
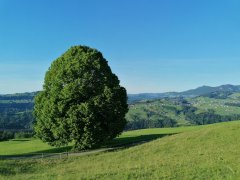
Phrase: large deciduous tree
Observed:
(81, 101)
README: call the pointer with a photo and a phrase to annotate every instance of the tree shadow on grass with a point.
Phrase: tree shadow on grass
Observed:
(133, 141)
(21, 140)
(56, 150)
(117, 143)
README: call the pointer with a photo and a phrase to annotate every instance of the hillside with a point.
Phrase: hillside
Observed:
(166, 112)
(222, 104)
(170, 112)
(207, 152)
(213, 107)
(16, 111)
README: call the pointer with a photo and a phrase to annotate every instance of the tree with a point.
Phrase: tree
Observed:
(81, 101)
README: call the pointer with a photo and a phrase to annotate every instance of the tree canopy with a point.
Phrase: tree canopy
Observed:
(81, 102)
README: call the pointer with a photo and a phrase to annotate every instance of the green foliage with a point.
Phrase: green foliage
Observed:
(160, 122)
(81, 101)
(16, 120)
(22, 135)
(210, 117)
(6, 135)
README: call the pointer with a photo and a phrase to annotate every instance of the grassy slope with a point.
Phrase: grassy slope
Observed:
(26, 146)
(207, 152)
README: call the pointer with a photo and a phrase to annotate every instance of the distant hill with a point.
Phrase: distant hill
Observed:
(207, 104)
(19, 96)
(16, 111)
(208, 89)
(189, 93)
(150, 96)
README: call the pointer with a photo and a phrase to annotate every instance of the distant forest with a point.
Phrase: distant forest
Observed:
(16, 111)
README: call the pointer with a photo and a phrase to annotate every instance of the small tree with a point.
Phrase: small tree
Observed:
(81, 101)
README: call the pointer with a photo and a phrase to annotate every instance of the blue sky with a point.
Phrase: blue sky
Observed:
(153, 46)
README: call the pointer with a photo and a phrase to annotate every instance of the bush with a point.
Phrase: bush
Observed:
(20, 135)
(6, 135)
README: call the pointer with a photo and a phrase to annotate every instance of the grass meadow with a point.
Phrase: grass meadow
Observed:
(202, 152)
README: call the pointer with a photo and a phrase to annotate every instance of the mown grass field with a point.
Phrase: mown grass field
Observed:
(26, 146)
(203, 152)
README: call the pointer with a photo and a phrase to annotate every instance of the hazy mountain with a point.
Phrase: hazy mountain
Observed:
(208, 89)
(146, 96)
(18, 96)
(189, 93)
